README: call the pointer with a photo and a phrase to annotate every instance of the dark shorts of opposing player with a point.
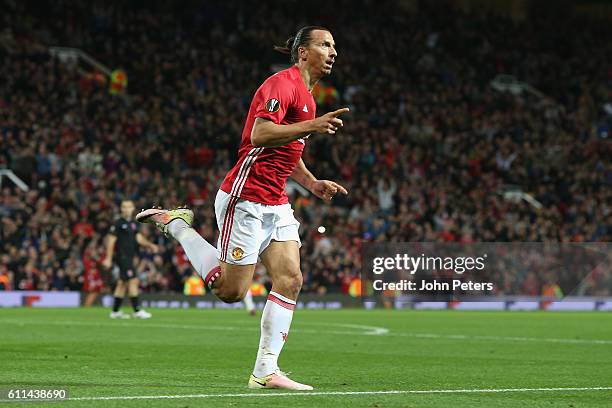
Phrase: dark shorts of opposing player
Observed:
(126, 270)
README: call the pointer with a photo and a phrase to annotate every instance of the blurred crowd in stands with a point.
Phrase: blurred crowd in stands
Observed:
(429, 152)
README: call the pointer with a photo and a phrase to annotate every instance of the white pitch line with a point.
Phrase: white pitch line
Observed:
(365, 331)
(502, 338)
(362, 329)
(331, 393)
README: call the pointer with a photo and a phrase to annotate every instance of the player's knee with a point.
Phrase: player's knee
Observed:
(229, 295)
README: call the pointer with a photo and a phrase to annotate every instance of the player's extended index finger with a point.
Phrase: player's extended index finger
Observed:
(342, 189)
(339, 112)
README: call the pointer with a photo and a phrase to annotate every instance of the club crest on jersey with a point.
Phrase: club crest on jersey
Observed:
(273, 105)
(237, 253)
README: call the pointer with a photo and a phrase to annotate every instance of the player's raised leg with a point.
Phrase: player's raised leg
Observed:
(177, 223)
(227, 281)
(282, 260)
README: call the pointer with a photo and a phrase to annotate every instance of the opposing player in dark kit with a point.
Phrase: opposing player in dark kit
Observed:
(122, 243)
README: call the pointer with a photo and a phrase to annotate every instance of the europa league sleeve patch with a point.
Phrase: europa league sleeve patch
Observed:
(273, 105)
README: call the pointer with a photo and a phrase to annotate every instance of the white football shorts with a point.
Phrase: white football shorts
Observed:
(247, 228)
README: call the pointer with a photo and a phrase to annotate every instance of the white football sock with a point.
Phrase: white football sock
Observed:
(248, 301)
(275, 323)
(201, 254)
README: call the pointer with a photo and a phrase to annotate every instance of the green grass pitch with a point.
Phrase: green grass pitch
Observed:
(209, 354)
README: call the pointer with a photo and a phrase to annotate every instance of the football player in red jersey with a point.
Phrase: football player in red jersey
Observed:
(252, 209)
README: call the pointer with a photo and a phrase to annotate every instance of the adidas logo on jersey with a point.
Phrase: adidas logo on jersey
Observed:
(305, 108)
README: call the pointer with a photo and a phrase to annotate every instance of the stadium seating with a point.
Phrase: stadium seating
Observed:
(427, 152)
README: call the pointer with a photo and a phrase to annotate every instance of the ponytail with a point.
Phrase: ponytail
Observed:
(286, 49)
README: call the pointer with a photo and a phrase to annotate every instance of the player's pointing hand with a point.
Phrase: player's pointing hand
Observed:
(330, 122)
(326, 189)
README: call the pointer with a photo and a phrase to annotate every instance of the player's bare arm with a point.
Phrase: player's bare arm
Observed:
(110, 250)
(142, 241)
(268, 134)
(324, 189)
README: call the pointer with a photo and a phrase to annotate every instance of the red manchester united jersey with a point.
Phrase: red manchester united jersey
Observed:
(261, 172)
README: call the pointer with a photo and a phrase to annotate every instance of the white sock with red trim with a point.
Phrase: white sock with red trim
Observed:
(275, 323)
(201, 254)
